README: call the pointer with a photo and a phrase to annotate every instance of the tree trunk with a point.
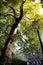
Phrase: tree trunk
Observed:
(6, 56)
(40, 40)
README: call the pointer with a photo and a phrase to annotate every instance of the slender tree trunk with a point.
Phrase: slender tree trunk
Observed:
(35, 22)
(6, 56)
(40, 40)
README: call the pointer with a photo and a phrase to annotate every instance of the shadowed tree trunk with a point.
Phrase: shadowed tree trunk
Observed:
(35, 24)
(40, 40)
(6, 56)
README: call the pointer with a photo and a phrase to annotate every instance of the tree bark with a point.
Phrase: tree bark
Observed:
(40, 40)
(6, 56)
(35, 24)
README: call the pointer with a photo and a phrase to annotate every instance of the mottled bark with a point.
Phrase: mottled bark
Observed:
(6, 56)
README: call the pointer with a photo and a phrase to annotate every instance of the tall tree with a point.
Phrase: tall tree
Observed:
(40, 40)
(35, 23)
(6, 55)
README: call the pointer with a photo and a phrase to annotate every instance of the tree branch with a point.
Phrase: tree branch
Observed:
(21, 9)
(13, 11)
(8, 15)
(23, 1)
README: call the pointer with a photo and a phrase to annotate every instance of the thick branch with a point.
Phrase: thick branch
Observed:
(13, 11)
(21, 9)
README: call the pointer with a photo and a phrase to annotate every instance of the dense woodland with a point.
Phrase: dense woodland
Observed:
(21, 30)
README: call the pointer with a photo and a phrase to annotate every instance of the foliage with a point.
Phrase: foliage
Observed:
(27, 37)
